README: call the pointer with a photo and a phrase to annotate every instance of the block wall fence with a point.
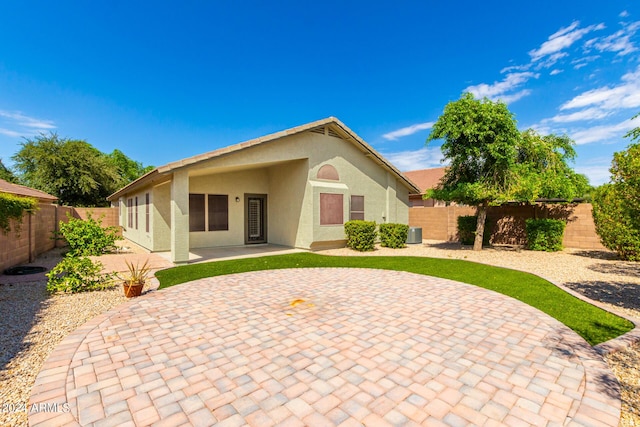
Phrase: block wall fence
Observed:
(508, 223)
(36, 231)
(437, 223)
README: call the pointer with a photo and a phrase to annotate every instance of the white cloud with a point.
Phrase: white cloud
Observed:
(551, 60)
(499, 90)
(582, 62)
(508, 99)
(588, 114)
(625, 95)
(623, 14)
(619, 42)
(406, 131)
(9, 132)
(604, 133)
(598, 174)
(17, 124)
(515, 68)
(562, 39)
(423, 158)
(555, 71)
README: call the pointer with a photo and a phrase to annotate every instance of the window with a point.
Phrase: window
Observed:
(328, 172)
(196, 212)
(357, 207)
(331, 209)
(136, 212)
(130, 213)
(218, 212)
(146, 213)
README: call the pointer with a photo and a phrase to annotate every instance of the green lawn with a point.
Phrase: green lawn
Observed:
(593, 324)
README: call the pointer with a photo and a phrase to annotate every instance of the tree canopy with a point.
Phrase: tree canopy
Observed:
(491, 162)
(6, 174)
(128, 170)
(616, 206)
(73, 170)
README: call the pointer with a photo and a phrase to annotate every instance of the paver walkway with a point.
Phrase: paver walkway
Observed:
(322, 347)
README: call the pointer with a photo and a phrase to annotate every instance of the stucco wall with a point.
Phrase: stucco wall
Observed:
(286, 170)
(137, 232)
(161, 217)
(290, 208)
(288, 220)
(234, 184)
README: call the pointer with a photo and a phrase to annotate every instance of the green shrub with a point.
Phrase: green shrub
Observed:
(393, 235)
(88, 237)
(617, 223)
(361, 235)
(467, 230)
(13, 207)
(77, 274)
(545, 234)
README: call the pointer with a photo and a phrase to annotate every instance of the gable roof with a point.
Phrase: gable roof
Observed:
(426, 179)
(21, 190)
(335, 125)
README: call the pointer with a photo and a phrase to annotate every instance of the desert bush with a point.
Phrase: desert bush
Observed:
(77, 274)
(393, 235)
(361, 235)
(617, 223)
(545, 234)
(87, 237)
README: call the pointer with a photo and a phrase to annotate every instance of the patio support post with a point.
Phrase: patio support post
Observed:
(390, 208)
(180, 217)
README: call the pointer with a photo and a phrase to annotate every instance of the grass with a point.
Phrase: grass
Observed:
(592, 323)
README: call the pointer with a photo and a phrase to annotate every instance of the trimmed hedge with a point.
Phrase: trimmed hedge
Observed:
(393, 235)
(361, 235)
(545, 234)
(467, 230)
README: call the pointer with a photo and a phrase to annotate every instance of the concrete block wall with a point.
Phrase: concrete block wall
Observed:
(508, 223)
(36, 232)
(108, 216)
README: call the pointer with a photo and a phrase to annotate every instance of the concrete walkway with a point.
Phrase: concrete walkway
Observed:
(321, 347)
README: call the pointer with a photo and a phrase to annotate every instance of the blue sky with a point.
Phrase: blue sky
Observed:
(167, 80)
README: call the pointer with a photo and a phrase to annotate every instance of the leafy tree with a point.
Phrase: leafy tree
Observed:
(480, 142)
(492, 162)
(128, 170)
(72, 170)
(616, 206)
(6, 174)
(543, 169)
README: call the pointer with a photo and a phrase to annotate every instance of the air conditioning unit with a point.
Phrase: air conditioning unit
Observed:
(415, 235)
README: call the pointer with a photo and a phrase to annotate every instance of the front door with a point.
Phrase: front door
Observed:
(255, 218)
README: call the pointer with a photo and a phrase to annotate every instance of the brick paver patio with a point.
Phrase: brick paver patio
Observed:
(322, 347)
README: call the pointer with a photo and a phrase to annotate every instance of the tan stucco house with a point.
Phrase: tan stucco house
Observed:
(293, 188)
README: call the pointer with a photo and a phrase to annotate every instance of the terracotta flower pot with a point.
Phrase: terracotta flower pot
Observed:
(132, 290)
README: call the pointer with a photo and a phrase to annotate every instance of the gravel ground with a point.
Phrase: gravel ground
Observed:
(32, 324)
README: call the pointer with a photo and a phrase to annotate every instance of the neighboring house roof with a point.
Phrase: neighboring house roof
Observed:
(426, 179)
(335, 125)
(21, 190)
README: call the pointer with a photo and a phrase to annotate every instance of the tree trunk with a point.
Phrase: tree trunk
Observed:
(482, 217)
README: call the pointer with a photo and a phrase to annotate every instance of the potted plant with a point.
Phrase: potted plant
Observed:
(134, 281)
